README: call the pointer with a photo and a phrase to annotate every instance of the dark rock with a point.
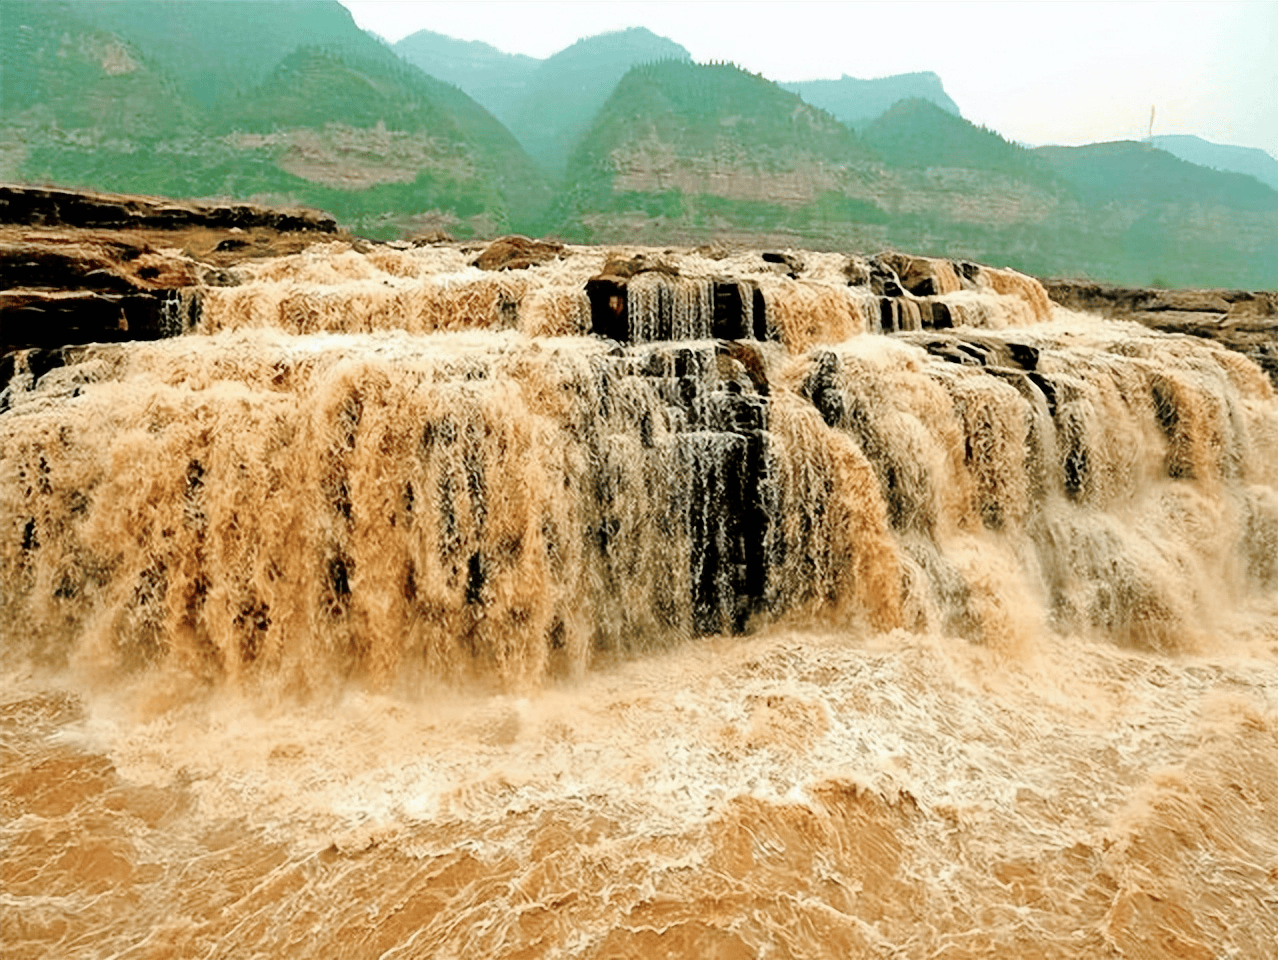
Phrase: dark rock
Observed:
(608, 311)
(941, 316)
(751, 359)
(922, 276)
(102, 264)
(791, 262)
(429, 238)
(517, 253)
(41, 318)
(51, 207)
(625, 268)
(714, 250)
(761, 329)
(857, 271)
(883, 280)
(976, 349)
(734, 305)
(822, 388)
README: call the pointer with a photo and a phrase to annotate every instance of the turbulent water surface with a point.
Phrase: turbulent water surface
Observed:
(388, 614)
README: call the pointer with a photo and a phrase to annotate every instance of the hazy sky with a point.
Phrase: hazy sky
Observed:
(1037, 71)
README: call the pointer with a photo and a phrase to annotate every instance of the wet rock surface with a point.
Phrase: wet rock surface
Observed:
(517, 253)
(1243, 320)
(51, 207)
(82, 267)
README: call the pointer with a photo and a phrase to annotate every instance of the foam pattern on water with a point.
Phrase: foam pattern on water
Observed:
(345, 628)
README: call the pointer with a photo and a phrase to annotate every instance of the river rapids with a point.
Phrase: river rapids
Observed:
(390, 613)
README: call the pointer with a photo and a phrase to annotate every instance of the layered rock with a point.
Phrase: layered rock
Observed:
(1246, 321)
(51, 207)
(80, 267)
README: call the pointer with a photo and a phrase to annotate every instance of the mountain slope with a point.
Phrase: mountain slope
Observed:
(497, 80)
(547, 104)
(1129, 171)
(342, 123)
(687, 153)
(570, 87)
(697, 145)
(856, 102)
(58, 70)
(916, 133)
(1220, 156)
(215, 49)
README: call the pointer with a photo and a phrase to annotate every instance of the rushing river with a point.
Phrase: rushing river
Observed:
(389, 614)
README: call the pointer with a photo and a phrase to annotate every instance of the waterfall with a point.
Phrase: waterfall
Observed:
(637, 603)
(302, 488)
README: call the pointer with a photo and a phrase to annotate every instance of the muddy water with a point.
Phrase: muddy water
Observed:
(796, 794)
(328, 642)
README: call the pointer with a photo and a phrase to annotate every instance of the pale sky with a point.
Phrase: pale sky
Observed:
(1037, 71)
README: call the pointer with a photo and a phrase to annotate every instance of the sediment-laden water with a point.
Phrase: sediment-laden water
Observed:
(387, 613)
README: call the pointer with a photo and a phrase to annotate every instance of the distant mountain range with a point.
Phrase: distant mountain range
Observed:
(620, 137)
(547, 104)
(695, 152)
(857, 102)
(1249, 160)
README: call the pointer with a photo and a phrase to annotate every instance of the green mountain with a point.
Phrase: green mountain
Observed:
(570, 87)
(683, 152)
(215, 49)
(547, 104)
(684, 146)
(59, 71)
(1127, 171)
(273, 100)
(1220, 156)
(856, 102)
(499, 81)
(917, 134)
(289, 102)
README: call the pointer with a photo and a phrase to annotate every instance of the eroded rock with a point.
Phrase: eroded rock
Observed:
(517, 252)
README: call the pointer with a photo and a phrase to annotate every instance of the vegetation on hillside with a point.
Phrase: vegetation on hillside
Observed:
(919, 178)
(148, 96)
(1221, 156)
(857, 102)
(707, 112)
(1128, 171)
(917, 134)
(569, 88)
(289, 101)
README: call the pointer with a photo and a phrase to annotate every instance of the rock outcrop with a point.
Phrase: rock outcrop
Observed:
(517, 253)
(50, 207)
(81, 267)
(1246, 321)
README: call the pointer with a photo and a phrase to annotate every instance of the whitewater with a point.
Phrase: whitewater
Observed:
(389, 613)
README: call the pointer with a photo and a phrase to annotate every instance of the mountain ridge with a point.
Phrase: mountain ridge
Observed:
(857, 102)
(675, 149)
(917, 178)
(167, 118)
(1251, 161)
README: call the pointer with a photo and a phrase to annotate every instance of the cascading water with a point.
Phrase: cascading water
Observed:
(387, 614)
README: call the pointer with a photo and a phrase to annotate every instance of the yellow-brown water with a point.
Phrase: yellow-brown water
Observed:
(327, 633)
